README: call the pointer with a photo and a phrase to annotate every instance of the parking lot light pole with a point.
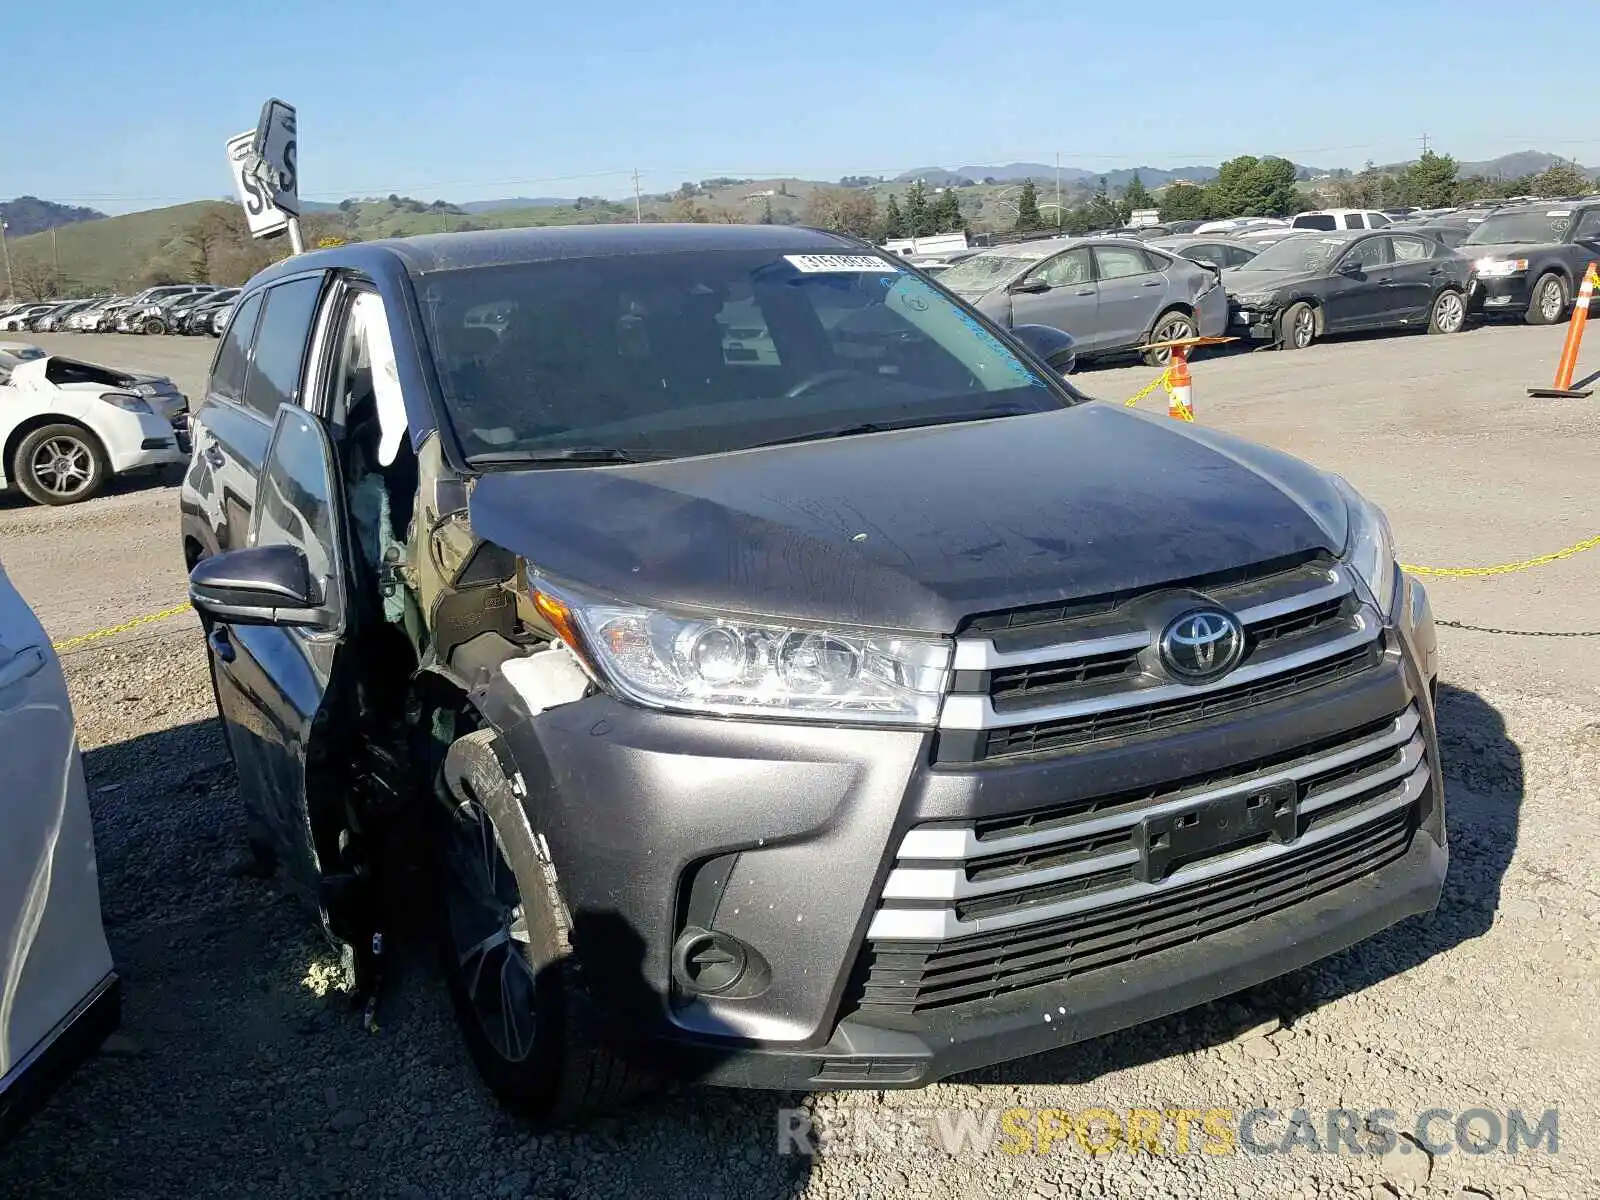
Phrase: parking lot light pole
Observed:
(6, 251)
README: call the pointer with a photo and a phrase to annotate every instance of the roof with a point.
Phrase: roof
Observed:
(1180, 241)
(502, 247)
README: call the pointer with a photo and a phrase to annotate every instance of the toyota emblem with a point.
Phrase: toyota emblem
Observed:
(1202, 644)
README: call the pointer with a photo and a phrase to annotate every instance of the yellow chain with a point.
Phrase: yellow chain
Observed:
(1505, 568)
(1160, 381)
(68, 643)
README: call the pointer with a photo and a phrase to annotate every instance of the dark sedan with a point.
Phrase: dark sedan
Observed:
(1342, 281)
(1530, 260)
(1219, 252)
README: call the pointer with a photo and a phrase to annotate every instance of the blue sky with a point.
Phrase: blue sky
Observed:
(124, 106)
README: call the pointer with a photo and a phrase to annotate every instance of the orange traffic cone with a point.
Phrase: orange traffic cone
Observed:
(1562, 388)
(1180, 392)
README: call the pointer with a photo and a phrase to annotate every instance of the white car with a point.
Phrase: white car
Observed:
(24, 317)
(1329, 219)
(59, 992)
(67, 427)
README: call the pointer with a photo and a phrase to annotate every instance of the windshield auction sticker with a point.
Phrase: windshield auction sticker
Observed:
(817, 264)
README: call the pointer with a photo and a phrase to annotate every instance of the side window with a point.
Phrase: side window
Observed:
(1588, 229)
(1354, 221)
(1119, 262)
(233, 355)
(1377, 220)
(285, 330)
(1368, 252)
(1216, 255)
(1409, 249)
(366, 380)
(1315, 221)
(1237, 256)
(295, 501)
(1064, 270)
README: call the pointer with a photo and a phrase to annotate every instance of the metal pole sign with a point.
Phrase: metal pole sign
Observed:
(275, 142)
(262, 216)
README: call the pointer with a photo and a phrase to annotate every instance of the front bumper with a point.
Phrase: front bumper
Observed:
(1255, 324)
(1502, 293)
(30, 1082)
(791, 831)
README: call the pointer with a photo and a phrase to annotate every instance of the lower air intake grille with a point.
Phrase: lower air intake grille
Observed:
(908, 977)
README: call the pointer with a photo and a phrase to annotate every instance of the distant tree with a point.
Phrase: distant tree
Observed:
(766, 211)
(685, 209)
(1104, 212)
(217, 227)
(1136, 195)
(946, 213)
(1028, 218)
(894, 221)
(1185, 202)
(1430, 182)
(916, 213)
(1560, 179)
(843, 210)
(33, 278)
(346, 205)
(989, 180)
(1248, 186)
(686, 190)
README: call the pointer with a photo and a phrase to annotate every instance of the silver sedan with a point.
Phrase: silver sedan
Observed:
(1111, 294)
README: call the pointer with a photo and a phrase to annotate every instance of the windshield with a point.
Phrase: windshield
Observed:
(663, 355)
(1521, 228)
(1302, 252)
(984, 272)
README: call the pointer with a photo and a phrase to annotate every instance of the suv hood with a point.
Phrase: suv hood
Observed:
(1504, 249)
(917, 529)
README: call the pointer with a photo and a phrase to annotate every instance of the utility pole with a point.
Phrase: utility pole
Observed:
(1424, 143)
(11, 291)
(638, 211)
(55, 255)
(1058, 191)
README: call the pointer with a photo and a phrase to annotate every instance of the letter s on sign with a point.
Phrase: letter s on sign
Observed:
(286, 177)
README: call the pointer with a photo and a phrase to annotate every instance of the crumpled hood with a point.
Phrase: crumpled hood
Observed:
(1242, 281)
(917, 529)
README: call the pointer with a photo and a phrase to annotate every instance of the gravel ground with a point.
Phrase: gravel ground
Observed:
(238, 1073)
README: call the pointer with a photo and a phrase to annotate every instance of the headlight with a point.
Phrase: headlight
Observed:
(1369, 546)
(737, 667)
(1491, 268)
(1255, 302)
(126, 403)
(144, 389)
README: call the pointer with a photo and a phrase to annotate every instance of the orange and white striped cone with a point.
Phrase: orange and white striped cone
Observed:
(1180, 391)
(1562, 389)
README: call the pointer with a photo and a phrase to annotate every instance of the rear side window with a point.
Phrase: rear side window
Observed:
(1354, 221)
(1410, 249)
(233, 356)
(1119, 262)
(274, 376)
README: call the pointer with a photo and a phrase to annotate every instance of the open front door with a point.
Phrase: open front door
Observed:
(274, 680)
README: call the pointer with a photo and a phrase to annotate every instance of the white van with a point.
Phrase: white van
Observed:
(59, 994)
(1341, 218)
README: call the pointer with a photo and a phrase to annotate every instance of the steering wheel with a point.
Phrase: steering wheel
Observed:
(820, 379)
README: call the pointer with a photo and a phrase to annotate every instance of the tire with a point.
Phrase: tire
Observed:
(1170, 326)
(1298, 327)
(155, 326)
(504, 933)
(1449, 312)
(1547, 301)
(60, 464)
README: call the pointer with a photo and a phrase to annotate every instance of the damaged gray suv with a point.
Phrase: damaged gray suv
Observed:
(757, 666)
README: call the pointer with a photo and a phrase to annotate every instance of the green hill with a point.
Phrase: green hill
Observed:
(112, 253)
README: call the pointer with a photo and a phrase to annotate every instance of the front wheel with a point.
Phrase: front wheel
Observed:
(1449, 312)
(508, 961)
(1547, 301)
(155, 326)
(1169, 327)
(1299, 327)
(60, 464)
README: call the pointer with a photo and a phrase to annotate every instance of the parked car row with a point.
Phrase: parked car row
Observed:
(1287, 283)
(190, 308)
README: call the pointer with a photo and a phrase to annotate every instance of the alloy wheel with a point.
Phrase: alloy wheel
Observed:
(1550, 300)
(1449, 312)
(63, 466)
(1173, 329)
(1305, 328)
(488, 932)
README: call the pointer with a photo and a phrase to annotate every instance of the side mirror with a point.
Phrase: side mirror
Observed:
(258, 585)
(1350, 267)
(1054, 346)
(1029, 287)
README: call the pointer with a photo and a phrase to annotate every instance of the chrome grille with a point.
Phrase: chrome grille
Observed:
(1051, 681)
(954, 881)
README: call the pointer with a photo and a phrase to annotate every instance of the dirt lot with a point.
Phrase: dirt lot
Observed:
(236, 1075)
